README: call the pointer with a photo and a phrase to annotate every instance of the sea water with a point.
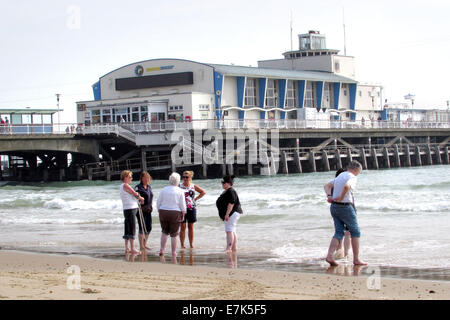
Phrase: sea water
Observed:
(404, 217)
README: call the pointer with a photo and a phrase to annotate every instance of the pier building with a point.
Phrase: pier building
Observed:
(313, 78)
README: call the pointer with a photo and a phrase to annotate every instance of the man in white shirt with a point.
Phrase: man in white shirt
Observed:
(343, 211)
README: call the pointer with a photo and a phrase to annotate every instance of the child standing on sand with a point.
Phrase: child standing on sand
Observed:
(130, 209)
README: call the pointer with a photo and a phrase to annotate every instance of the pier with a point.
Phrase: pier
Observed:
(103, 151)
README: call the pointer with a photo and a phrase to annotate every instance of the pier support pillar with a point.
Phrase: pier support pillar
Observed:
(437, 151)
(62, 174)
(108, 173)
(250, 169)
(174, 167)
(349, 156)
(428, 152)
(273, 166)
(397, 157)
(312, 161)
(143, 160)
(325, 161)
(90, 174)
(386, 157)
(363, 158)
(205, 170)
(446, 157)
(79, 173)
(407, 156)
(45, 175)
(418, 158)
(284, 163)
(337, 156)
(375, 159)
(230, 169)
(297, 161)
(224, 170)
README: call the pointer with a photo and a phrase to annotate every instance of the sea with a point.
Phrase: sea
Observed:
(403, 213)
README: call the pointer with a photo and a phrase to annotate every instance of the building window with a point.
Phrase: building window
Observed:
(175, 108)
(176, 117)
(250, 93)
(37, 118)
(327, 95)
(106, 115)
(95, 114)
(310, 94)
(291, 95)
(46, 118)
(272, 93)
(135, 114)
(203, 107)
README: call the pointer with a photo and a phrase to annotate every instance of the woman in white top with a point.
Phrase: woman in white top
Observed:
(171, 206)
(130, 208)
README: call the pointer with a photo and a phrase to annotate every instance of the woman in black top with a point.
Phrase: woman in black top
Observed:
(229, 209)
(145, 191)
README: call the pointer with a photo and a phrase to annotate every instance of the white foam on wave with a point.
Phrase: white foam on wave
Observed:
(57, 221)
(59, 203)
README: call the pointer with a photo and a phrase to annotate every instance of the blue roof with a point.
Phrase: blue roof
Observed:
(279, 73)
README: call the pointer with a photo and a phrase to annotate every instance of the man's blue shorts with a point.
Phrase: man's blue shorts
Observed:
(344, 215)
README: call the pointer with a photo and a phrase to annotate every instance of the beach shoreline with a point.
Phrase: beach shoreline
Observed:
(31, 275)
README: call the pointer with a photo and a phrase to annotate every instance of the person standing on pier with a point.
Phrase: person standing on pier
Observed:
(2, 125)
(145, 227)
(230, 209)
(191, 214)
(130, 209)
(343, 212)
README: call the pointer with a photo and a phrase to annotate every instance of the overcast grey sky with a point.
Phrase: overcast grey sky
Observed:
(50, 47)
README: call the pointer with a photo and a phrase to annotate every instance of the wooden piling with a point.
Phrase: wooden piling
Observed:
(325, 161)
(108, 173)
(45, 175)
(428, 153)
(250, 169)
(312, 161)
(437, 152)
(337, 156)
(407, 156)
(205, 170)
(386, 157)
(349, 156)
(446, 157)
(284, 163)
(375, 159)
(298, 163)
(397, 157)
(90, 174)
(143, 160)
(363, 158)
(418, 158)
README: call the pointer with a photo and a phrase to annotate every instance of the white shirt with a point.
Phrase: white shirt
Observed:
(128, 201)
(171, 198)
(339, 184)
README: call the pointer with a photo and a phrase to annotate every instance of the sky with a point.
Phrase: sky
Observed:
(64, 47)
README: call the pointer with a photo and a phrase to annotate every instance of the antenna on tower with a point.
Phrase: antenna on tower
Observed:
(292, 48)
(345, 41)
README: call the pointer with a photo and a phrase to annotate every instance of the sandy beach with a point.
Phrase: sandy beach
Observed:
(26, 275)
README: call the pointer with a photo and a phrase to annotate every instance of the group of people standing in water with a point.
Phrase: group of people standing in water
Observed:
(176, 205)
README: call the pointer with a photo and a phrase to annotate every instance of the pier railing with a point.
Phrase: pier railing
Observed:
(130, 129)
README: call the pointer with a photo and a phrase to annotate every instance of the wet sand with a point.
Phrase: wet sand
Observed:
(43, 276)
